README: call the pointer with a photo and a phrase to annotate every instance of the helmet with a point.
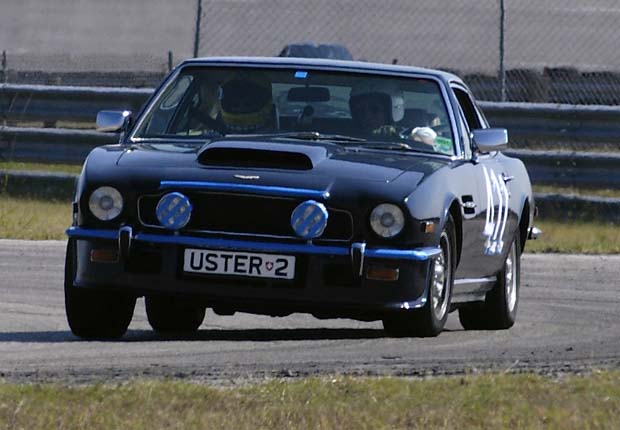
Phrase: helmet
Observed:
(380, 89)
(246, 101)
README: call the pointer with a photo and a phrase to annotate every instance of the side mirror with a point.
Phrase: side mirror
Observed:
(112, 120)
(490, 139)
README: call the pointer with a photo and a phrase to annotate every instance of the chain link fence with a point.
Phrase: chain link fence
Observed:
(556, 51)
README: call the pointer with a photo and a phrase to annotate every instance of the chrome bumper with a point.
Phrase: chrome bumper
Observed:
(358, 251)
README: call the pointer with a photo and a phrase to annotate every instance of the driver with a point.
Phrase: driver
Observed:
(246, 104)
(377, 108)
(204, 116)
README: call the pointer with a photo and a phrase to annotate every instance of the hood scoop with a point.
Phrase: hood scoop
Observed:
(262, 155)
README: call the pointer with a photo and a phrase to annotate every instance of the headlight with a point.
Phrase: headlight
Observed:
(387, 220)
(106, 203)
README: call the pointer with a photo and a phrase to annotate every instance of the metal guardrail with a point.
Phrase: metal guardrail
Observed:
(591, 169)
(526, 123)
(531, 123)
(44, 185)
(56, 103)
(572, 208)
(50, 144)
(574, 169)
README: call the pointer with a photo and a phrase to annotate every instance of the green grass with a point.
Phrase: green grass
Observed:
(41, 167)
(578, 237)
(577, 191)
(473, 402)
(22, 218)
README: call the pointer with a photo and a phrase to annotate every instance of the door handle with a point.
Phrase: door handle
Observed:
(507, 178)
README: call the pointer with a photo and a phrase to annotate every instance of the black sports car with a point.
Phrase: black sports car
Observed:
(279, 185)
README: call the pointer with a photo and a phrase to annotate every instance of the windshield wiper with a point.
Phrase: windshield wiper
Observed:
(315, 135)
(208, 135)
(398, 146)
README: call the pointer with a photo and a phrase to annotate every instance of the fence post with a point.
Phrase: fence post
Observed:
(3, 79)
(169, 61)
(502, 52)
(197, 34)
(5, 76)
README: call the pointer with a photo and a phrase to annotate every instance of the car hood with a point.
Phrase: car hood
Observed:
(317, 165)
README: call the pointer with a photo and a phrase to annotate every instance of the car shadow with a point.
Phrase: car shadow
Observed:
(271, 335)
(221, 335)
(241, 335)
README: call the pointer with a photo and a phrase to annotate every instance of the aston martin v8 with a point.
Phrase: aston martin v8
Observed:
(280, 185)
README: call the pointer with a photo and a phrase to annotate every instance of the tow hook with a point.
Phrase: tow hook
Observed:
(357, 257)
(125, 236)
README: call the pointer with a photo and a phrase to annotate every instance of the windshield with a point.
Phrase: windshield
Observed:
(374, 110)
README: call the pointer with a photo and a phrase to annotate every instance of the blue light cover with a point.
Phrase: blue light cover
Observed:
(174, 211)
(309, 219)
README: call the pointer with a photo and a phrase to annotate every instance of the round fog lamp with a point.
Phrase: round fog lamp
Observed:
(105, 203)
(174, 211)
(387, 220)
(309, 219)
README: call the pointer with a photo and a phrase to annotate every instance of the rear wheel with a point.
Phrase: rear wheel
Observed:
(170, 314)
(431, 319)
(91, 313)
(499, 310)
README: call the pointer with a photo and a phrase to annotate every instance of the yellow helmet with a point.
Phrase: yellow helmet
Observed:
(246, 102)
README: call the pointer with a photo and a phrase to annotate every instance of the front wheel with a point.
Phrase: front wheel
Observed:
(431, 319)
(91, 313)
(499, 310)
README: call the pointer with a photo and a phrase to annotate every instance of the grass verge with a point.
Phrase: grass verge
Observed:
(480, 402)
(577, 238)
(41, 167)
(32, 219)
(577, 191)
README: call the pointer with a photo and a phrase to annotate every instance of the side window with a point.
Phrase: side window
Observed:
(468, 108)
(465, 133)
(160, 118)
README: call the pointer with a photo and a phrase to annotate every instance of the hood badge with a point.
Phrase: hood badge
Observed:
(247, 177)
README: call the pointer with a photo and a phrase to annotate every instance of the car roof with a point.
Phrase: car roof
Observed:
(322, 63)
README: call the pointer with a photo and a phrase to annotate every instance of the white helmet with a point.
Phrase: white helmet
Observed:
(381, 88)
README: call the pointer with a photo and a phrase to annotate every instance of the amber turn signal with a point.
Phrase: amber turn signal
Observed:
(428, 227)
(103, 255)
(376, 273)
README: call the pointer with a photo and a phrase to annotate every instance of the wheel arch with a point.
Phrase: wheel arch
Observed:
(524, 223)
(455, 211)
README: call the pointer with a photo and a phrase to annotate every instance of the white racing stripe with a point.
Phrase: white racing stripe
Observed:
(495, 225)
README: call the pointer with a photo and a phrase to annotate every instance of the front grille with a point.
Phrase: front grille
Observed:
(246, 215)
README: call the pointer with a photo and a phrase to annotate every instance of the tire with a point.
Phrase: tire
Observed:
(499, 309)
(431, 319)
(91, 313)
(167, 314)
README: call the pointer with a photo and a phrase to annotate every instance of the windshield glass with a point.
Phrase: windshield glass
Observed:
(203, 102)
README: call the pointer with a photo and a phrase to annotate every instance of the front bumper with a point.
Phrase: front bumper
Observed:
(329, 279)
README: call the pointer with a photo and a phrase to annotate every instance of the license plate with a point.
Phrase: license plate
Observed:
(216, 262)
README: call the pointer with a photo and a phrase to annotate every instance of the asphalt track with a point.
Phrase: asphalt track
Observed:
(568, 322)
